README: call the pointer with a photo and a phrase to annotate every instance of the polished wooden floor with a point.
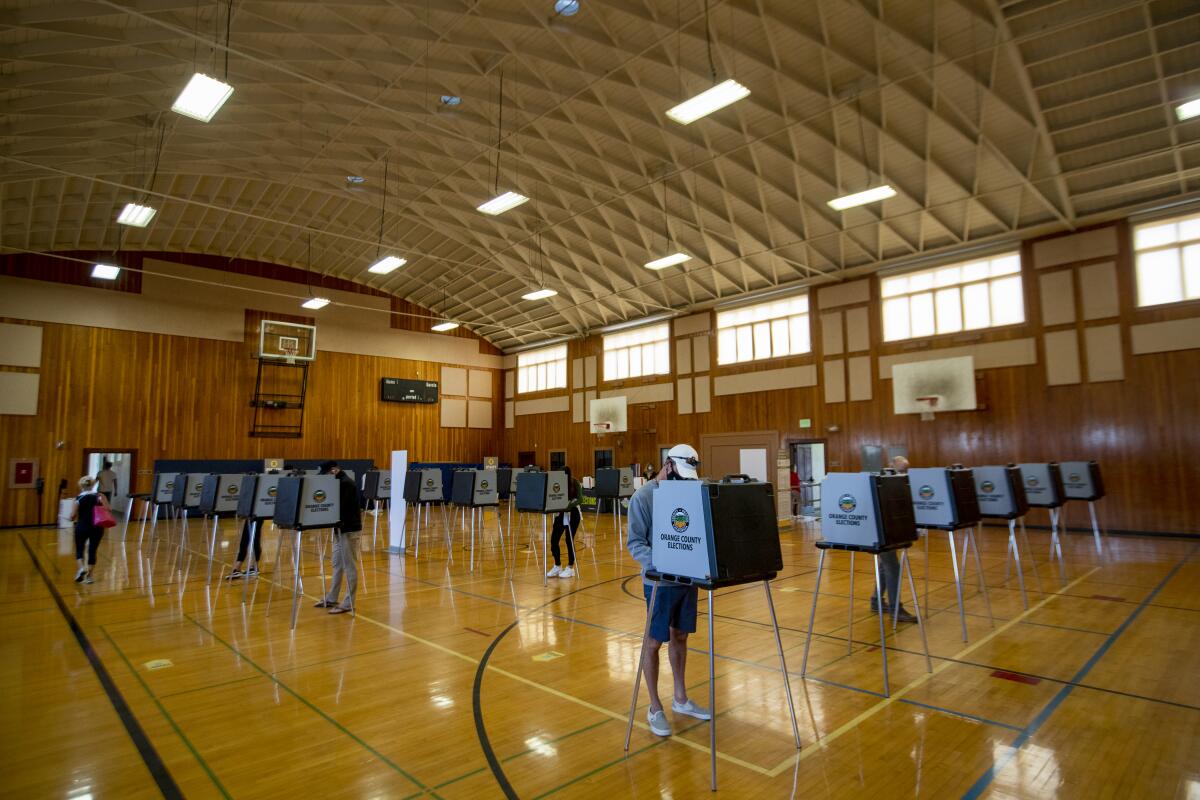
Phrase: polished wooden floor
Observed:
(458, 685)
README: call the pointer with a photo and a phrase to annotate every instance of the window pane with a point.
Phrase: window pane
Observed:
(762, 340)
(622, 364)
(920, 282)
(976, 270)
(949, 311)
(895, 319)
(1008, 304)
(779, 338)
(560, 374)
(890, 287)
(727, 346)
(745, 344)
(662, 358)
(1153, 236)
(523, 380)
(799, 334)
(1189, 229)
(1191, 272)
(635, 361)
(921, 314)
(1158, 277)
(977, 311)
(610, 365)
(947, 276)
(1006, 265)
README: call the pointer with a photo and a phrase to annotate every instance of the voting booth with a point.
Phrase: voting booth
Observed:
(945, 499)
(476, 489)
(1001, 492)
(219, 494)
(544, 493)
(868, 512)
(1082, 481)
(162, 495)
(614, 482)
(256, 501)
(423, 488)
(709, 535)
(1044, 489)
(186, 494)
(377, 485)
(504, 482)
(304, 503)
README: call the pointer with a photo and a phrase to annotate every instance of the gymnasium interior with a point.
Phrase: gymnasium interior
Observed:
(906, 292)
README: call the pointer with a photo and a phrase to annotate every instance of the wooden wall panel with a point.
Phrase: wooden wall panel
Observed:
(181, 397)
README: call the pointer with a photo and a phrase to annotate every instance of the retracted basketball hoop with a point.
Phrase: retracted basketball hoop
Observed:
(599, 428)
(930, 402)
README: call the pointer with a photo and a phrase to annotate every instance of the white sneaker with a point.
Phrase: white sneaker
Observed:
(691, 709)
(567, 573)
(658, 723)
(554, 572)
(88, 578)
(80, 574)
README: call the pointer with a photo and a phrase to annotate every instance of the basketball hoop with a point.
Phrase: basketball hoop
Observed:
(600, 428)
(930, 401)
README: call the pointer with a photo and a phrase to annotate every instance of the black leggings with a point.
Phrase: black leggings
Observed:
(92, 540)
(245, 543)
(559, 529)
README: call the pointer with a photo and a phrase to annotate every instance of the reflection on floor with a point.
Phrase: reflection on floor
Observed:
(460, 684)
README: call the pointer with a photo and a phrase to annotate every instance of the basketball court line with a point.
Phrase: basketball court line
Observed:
(825, 741)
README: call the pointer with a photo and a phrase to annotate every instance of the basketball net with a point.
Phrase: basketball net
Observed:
(930, 402)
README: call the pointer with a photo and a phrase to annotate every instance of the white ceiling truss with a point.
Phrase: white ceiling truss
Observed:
(989, 118)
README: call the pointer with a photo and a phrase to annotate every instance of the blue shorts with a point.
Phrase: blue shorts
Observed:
(674, 607)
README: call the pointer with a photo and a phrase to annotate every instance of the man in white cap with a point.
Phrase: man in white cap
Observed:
(674, 614)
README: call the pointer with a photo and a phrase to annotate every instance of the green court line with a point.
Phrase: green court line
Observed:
(309, 704)
(170, 720)
(209, 686)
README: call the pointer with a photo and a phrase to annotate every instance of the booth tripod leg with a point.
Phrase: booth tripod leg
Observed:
(545, 553)
(500, 531)
(962, 612)
(850, 604)
(887, 692)
(449, 535)
(321, 558)
(212, 548)
(1095, 526)
(1056, 545)
(1032, 558)
(278, 560)
(926, 531)
(128, 514)
(416, 533)
(906, 567)
(252, 561)
(987, 601)
(787, 686)
(637, 680)
(1012, 543)
(297, 582)
(712, 695)
(813, 614)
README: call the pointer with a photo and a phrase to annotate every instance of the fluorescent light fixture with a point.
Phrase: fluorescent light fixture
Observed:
(315, 302)
(106, 272)
(1188, 110)
(355, 180)
(135, 215)
(708, 101)
(442, 327)
(540, 294)
(502, 203)
(202, 98)
(862, 198)
(668, 261)
(387, 264)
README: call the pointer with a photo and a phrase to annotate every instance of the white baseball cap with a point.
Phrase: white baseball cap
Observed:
(686, 460)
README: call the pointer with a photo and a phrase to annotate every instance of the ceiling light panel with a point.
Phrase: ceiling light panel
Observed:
(707, 102)
(502, 203)
(315, 303)
(135, 215)
(540, 294)
(105, 272)
(668, 261)
(873, 195)
(202, 98)
(387, 264)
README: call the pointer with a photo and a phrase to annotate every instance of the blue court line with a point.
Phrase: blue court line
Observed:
(1029, 730)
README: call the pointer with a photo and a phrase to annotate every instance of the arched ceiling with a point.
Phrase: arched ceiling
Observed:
(988, 117)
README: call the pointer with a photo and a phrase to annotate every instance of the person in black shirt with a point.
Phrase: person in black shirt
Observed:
(566, 522)
(345, 543)
(87, 532)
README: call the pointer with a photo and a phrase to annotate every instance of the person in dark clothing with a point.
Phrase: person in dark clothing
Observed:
(87, 532)
(568, 522)
(244, 546)
(345, 543)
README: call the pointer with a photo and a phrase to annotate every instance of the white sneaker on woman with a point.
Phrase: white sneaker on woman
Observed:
(568, 572)
(554, 572)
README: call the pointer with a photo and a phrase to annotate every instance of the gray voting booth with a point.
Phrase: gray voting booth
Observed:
(546, 494)
(477, 490)
(867, 512)
(161, 497)
(614, 484)
(711, 535)
(422, 489)
(1001, 493)
(308, 503)
(218, 498)
(377, 491)
(1044, 489)
(945, 499)
(256, 505)
(1082, 482)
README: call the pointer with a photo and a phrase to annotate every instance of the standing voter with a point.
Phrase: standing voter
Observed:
(674, 614)
(889, 565)
(568, 522)
(345, 542)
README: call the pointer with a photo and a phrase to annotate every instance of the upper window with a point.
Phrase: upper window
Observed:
(1168, 260)
(539, 370)
(767, 330)
(632, 354)
(985, 293)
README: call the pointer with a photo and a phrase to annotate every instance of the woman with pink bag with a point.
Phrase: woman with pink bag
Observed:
(91, 515)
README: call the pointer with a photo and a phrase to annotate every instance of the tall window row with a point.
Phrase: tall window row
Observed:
(984, 293)
(766, 330)
(636, 353)
(539, 370)
(1168, 260)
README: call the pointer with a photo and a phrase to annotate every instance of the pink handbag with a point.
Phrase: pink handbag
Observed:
(102, 517)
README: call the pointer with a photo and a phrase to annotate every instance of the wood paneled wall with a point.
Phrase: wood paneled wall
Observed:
(181, 397)
(1144, 430)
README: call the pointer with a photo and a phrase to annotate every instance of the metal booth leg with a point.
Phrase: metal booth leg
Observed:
(472, 565)
(129, 513)
(887, 692)
(637, 681)
(545, 554)
(926, 532)
(297, 582)
(906, 566)
(321, 558)
(712, 695)
(253, 562)
(962, 612)
(813, 614)
(1056, 544)
(212, 548)
(1095, 526)
(1012, 542)
(787, 686)
(987, 601)
(278, 561)
(850, 604)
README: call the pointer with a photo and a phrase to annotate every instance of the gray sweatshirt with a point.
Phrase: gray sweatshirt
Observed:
(641, 519)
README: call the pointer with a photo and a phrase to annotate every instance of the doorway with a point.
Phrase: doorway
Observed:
(526, 458)
(123, 463)
(558, 459)
(807, 473)
(749, 453)
(603, 458)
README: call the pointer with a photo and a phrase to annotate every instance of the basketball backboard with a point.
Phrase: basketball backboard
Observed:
(610, 410)
(287, 341)
(949, 381)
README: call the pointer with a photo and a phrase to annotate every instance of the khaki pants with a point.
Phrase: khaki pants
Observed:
(345, 560)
